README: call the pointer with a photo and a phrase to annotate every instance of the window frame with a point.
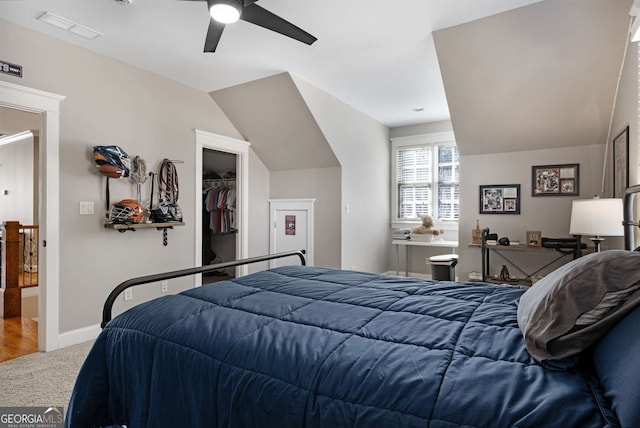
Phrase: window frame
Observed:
(446, 138)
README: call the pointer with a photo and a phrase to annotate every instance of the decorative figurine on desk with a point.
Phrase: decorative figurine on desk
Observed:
(426, 231)
(476, 234)
(504, 273)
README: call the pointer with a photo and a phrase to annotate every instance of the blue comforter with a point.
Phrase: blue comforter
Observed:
(314, 347)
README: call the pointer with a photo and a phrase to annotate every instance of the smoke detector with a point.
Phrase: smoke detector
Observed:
(123, 2)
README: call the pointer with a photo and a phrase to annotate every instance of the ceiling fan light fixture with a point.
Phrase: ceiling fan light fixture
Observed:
(225, 11)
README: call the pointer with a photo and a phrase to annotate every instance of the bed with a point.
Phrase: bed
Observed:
(301, 346)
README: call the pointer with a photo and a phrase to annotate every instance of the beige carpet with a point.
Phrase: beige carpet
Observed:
(42, 378)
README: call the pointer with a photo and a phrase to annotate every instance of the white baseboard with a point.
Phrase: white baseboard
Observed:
(80, 335)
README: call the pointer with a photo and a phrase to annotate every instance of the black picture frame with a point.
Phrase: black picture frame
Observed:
(555, 180)
(621, 163)
(500, 199)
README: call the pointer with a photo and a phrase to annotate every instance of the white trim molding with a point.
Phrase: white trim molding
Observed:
(48, 106)
(292, 205)
(208, 140)
(80, 335)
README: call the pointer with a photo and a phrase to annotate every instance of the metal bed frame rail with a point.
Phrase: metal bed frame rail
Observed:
(627, 220)
(108, 304)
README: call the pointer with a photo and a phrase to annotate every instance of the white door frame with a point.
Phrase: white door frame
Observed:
(208, 140)
(48, 106)
(294, 205)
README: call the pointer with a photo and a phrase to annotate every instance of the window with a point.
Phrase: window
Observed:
(426, 175)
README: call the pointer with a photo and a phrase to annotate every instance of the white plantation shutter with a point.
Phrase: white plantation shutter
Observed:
(448, 183)
(414, 182)
(427, 182)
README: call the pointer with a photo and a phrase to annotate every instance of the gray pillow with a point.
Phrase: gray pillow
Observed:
(574, 306)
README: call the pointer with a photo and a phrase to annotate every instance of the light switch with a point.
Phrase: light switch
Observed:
(86, 208)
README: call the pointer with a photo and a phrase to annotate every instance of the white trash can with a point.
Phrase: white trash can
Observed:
(443, 267)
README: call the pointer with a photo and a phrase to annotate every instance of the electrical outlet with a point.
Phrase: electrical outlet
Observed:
(164, 286)
(128, 294)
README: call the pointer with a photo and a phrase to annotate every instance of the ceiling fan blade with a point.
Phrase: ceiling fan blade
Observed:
(213, 35)
(262, 17)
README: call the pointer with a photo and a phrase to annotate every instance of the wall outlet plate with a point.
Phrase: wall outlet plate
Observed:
(128, 294)
(164, 286)
(86, 208)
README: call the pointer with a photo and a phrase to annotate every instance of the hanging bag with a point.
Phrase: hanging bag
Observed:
(167, 209)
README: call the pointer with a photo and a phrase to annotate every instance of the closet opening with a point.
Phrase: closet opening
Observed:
(220, 222)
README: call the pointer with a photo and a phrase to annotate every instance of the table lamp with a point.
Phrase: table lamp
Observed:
(597, 217)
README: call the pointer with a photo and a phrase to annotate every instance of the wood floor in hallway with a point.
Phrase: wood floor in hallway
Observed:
(18, 337)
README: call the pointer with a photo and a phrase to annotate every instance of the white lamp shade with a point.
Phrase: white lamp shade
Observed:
(596, 217)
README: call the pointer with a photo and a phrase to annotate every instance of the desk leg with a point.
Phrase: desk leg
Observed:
(397, 260)
(406, 260)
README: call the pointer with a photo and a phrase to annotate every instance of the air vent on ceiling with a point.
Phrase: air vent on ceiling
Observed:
(68, 25)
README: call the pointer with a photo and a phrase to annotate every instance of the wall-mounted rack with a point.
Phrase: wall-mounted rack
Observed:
(123, 227)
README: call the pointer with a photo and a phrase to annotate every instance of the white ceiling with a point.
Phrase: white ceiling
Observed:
(376, 55)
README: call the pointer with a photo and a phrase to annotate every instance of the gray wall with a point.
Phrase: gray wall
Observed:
(109, 102)
(323, 184)
(549, 214)
(316, 147)
(259, 178)
(299, 161)
(362, 147)
(626, 113)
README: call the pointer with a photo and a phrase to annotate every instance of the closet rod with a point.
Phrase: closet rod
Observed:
(209, 183)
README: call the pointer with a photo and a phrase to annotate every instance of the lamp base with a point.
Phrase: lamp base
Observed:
(596, 243)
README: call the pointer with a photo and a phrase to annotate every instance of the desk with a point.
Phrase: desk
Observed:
(504, 252)
(415, 243)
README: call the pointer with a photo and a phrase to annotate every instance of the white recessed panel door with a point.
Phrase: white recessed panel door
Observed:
(291, 229)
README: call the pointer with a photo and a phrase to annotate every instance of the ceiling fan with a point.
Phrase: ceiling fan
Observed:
(229, 11)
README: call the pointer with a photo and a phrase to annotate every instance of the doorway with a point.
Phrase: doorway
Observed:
(219, 203)
(239, 150)
(47, 107)
(18, 203)
(291, 228)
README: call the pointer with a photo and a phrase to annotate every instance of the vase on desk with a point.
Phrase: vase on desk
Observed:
(476, 234)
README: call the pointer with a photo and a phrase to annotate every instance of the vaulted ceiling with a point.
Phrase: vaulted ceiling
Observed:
(375, 55)
(537, 77)
(518, 75)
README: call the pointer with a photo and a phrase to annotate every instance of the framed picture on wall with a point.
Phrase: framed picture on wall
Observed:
(500, 199)
(534, 238)
(621, 163)
(555, 180)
